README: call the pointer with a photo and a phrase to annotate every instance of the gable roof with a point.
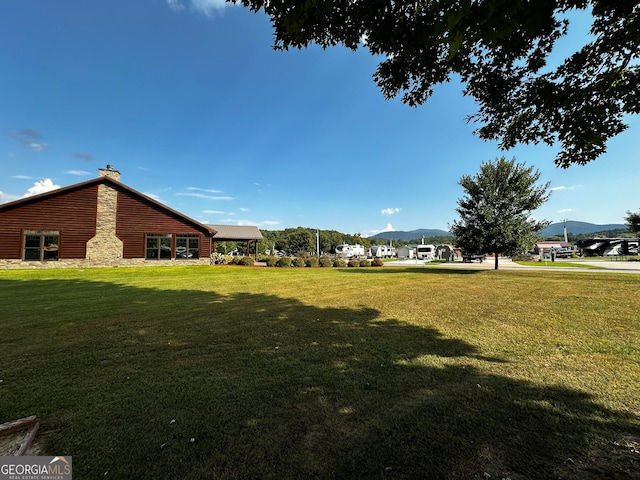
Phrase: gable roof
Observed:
(97, 181)
(235, 232)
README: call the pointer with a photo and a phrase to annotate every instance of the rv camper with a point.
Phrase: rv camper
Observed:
(383, 251)
(425, 252)
(349, 251)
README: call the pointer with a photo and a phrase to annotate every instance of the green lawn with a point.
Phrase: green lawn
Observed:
(265, 373)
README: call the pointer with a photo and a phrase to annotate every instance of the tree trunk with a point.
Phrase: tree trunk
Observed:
(495, 255)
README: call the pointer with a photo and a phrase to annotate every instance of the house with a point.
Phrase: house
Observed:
(100, 222)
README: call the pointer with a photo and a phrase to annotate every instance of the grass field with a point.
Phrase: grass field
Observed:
(364, 373)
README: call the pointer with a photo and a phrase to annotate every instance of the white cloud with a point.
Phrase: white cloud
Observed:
(207, 7)
(23, 177)
(80, 173)
(565, 210)
(370, 233)
(213, 212)
(153, 196)
(389, 211)
(35, 146)
(251, 223)
(5, 197)
(563, 187)
(208, 190)
(242, 209)
(202, 195)
(41, 186)
(175, 5)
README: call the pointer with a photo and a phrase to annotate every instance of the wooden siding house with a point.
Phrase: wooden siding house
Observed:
(100, 222)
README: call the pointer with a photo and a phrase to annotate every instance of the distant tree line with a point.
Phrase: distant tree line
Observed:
(574, 237)
(301, 240)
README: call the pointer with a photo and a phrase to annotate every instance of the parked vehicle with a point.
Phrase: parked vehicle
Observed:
(470, 257)
(383, 251)
(563, 252)
(350, 251)
(426, 252)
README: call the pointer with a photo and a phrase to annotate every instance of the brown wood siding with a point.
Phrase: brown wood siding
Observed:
(73, 214)
(137, 217)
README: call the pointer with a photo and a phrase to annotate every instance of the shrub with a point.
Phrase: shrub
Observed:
(283, 262)
(298, 262)
(354, 262)
(365, 263)
(235, 260)
(271, 261)
(219, 258)
(247, 261)
(326, 262)
(376, 262)
(312, 262)
(339, 262)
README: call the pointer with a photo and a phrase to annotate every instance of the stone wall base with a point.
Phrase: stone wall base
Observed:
(87, 263)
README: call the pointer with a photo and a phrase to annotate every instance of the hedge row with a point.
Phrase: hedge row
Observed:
(325, 262)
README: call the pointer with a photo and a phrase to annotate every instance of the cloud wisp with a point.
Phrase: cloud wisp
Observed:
(206, 7)
(389, 211)
(205, 197)
(208, 190)
(563, 187)
(29, 138)
(85, 157)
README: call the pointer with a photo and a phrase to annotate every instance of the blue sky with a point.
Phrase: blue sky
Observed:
(190, 103)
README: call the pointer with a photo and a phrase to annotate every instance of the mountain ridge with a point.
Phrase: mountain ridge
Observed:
(554, 229)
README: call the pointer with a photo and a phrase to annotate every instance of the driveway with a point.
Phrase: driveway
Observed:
(507, 264)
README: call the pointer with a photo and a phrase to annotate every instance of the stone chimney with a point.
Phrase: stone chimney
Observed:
(105, 248)
(109, 172)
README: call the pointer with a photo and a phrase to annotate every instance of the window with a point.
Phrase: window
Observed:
(187, 246)
(158, 246)
(41, 245)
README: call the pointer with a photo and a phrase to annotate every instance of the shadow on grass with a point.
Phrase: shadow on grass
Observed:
(147, 383)
(429, 270)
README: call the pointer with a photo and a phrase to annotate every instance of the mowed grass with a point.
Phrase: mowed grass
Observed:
(263, 373)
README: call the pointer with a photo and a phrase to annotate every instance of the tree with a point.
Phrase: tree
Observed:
(633, 221)
(499, 49)
(301, 240)
(495, 213)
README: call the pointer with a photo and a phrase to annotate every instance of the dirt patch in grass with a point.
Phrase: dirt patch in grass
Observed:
(11, 444)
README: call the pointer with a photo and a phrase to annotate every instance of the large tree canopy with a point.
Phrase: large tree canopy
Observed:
(495, 213)
(499, 49)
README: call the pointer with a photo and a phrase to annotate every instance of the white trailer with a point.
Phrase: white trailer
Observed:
(383, 251)
(426, 252)
(350, 251)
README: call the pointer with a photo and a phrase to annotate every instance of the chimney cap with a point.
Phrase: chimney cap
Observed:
(110, 168)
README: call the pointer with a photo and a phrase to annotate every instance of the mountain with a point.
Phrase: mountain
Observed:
(554, 229)
(412, 235)
(578, 228)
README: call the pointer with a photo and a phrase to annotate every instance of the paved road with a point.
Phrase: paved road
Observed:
(507, 264)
